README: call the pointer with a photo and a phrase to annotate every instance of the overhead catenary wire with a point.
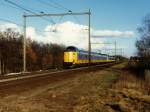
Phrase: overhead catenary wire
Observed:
(56, 25)
(32, 12)
(67, 10)
(9, 5)
(59, 6)
(48, 4)
(54, 6)
(9, 21)
(27, 10)
(18, 24)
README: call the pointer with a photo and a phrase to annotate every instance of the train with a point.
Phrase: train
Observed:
(76, 57)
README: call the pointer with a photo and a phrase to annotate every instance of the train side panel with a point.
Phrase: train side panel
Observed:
(75, 57)
(82, 58)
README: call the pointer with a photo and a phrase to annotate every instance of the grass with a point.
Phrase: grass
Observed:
(82, 93)
(101, 91)
(130, 81)
(134, 92)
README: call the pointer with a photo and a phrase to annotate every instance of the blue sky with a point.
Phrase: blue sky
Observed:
(120, 15)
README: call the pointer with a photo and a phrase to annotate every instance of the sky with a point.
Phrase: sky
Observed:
(117, 20)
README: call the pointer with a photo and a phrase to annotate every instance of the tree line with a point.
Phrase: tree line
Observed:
(40, 56)
(143, 44)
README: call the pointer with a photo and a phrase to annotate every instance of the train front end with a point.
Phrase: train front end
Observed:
(70, 56)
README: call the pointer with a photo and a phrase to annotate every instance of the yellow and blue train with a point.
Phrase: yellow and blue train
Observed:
(75, 57)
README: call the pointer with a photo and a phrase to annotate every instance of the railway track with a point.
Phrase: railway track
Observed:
(20, 76)
(27, 82)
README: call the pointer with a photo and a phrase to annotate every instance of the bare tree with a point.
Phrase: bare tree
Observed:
(143, 45)
(10, 51)
(40, 56)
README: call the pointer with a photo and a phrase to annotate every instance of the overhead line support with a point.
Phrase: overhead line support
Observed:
(25, 16)
(60, 14)
(89, 39)
(24, 44)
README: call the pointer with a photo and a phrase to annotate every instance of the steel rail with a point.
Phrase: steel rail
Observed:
(51, 73)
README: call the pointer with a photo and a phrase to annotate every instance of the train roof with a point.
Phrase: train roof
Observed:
(73, 48)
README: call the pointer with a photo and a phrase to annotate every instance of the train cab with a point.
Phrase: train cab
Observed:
(70, 55)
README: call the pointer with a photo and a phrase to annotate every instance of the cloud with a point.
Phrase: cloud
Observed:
(5, 25)
(109, 33)
(68, 33)
(31, 32)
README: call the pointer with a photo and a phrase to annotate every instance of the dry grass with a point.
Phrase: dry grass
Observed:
(134, 92)
(82, 93)
(101, 91)
(130, 81)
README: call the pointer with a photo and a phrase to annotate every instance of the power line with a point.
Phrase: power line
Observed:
(59, 6)
(9, 6)
(54, 5)
(48, 4)
(27, 10)
(20, 6)
(9, 21)
(75, 17)
(51, 5)
(30, 11)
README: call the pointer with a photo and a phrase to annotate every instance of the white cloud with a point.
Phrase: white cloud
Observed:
(31, 32)
(68, 33)
(116, 33)
(4, 26)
